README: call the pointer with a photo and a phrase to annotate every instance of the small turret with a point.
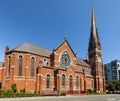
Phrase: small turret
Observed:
(6, 49)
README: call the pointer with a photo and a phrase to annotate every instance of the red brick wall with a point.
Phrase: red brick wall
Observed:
(24, 81)
(60, 50)
(38, 82)
(71, 71)
(42, 79)
(0, 73)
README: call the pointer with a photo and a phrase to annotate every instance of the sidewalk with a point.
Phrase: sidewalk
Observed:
(49, 97)
(28, 98)
(38, 98)
(76, 95)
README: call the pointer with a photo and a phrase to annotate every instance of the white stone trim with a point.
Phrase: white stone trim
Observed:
(1, 68)
(39, 75)
(72, 76)
(26, 67)
(19, 76)
(9, 56)
(47, 74)
(78, 76)
(12, 66)
(64, 74)
(19, 79)
(20, 55)
(56, 61)
(33, 57)
(58, 75)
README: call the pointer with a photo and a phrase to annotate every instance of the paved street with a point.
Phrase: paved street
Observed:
(68, 98)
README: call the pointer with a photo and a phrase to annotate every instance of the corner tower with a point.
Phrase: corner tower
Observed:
(95, 56)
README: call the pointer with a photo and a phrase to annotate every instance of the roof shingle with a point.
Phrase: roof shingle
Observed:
(26, 47)
(82, 62)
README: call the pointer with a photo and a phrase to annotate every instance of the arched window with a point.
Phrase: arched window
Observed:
(82, 70)
(88, 72)
(70, 81)
(9, 64)
(45, 62)
(48, 81)
(92, 83)
(32, 67)
(20, 66)
(77, 82)
(40, 63)
(63, 81)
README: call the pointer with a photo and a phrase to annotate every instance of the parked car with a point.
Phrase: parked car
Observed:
(117, 92)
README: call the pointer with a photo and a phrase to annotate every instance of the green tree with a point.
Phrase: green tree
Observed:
(117, 85)
(113, 85)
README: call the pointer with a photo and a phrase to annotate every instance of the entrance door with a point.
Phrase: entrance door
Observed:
(71, 84)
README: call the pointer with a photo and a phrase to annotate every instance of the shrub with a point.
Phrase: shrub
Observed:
(90, 91)
(14, 87)
(6, 93)
(63, 93)
(22, 90)
(10, 93)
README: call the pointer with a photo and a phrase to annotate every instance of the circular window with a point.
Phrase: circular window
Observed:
(65, 60)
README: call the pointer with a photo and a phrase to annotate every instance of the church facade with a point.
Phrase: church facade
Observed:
(37, 69)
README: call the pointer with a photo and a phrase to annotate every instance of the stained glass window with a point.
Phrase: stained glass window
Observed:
(48, 81)
(9, 63)
(63, 81)
(20, 66)
(65, 60)
(32, 67)
(77, 82)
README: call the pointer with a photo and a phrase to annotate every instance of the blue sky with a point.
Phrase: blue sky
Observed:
(45, 22)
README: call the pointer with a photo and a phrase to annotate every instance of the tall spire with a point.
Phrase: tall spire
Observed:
(94, 38)
(95, 56)
(93, 20)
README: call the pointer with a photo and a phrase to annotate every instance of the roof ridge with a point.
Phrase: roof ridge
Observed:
(68, 45)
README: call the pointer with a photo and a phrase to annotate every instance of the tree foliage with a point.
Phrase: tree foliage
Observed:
(113, 85)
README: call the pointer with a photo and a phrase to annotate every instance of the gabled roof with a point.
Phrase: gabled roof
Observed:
(68, 45)
(29, 48)
(81, 62)
(26, 47)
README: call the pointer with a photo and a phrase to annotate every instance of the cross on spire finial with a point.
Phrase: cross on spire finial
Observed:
(92, 3)
(65, 37)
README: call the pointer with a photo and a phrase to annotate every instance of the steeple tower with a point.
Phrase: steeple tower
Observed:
(95, 56)
(94, 38)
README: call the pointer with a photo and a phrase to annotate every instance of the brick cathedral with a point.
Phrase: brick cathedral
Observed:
(37, 69)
